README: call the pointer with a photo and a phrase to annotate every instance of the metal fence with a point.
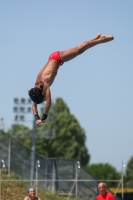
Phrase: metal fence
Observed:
(60, 176)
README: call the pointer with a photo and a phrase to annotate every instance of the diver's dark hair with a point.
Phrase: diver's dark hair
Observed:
(36, 95)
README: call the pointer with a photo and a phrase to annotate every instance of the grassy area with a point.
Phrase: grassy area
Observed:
(17, 191)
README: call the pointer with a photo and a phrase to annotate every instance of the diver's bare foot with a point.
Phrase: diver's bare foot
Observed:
(106, 38)
(98, 36)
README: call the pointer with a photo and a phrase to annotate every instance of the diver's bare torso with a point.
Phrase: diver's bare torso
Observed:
(47, 74)
(44, 80)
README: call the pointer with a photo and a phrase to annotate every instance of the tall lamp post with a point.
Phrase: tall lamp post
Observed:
(21, 108)
(2, 164)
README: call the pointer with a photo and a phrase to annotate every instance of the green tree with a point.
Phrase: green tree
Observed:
(69, 141)
(2, 124)
(21, 133)
(104, 172)
(70, 137)
(128, 179)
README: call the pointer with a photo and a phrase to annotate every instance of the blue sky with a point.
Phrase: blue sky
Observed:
(97, 85)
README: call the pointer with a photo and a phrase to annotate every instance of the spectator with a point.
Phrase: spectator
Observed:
(31, 195)
(104, 195)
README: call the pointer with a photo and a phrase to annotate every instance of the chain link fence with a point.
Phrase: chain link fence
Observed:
(60, 176)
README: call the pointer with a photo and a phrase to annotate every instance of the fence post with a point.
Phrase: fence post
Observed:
(9, 156)
(0, 181)
(76, 181)
(2, 164)
(46, 174)
(37, 165)
(122, 185)
(53, 178)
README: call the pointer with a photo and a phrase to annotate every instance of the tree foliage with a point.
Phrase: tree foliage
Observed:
(2, 124)
(69, 138)
(104, 172)
(128, 179)
(21, 133)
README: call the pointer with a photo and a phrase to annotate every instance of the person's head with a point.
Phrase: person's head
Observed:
(36, 95)
(31, 192)
(102, 187)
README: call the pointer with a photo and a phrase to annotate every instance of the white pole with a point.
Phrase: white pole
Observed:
(36, 177)
(53, 179)
(37, 165)
(2, 164)
(0, 182)
(9, 155)
(122, 181)
(76, 181)
(122, 185)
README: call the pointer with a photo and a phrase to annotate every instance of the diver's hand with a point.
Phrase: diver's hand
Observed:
(39, 122)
